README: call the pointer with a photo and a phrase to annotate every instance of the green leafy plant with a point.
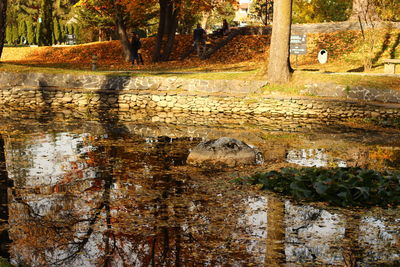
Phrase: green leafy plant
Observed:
(338, 186)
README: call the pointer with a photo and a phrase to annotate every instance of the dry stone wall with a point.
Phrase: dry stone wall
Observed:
(166, 95)
(325, 27)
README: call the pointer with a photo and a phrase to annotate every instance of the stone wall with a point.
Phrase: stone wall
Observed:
(119, 84)
(156, 94)
(353, 92)
(325, 27)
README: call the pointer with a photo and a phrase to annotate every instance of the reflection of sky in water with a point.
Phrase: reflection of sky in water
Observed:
(87, 258)
(377, 235)
(255, 221)
(312, 158)
(52, 156)
(312, 234)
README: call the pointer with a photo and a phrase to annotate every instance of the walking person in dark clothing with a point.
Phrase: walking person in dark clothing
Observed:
(135, 46)
(199, 36)
(225, 27)
(224, 30)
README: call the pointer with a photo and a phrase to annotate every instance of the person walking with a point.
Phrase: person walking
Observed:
(199, 37)
(135, 46)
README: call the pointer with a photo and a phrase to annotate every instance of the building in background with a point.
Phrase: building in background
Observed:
(254, 12)
(242, 16)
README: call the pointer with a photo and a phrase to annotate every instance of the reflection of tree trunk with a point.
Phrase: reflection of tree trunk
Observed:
(4, 182)
(178, 247)
(168, 237)
(105, 163)
(350, 247)
(153, 251)
(166, 249)
(275, 253)
(106, 200)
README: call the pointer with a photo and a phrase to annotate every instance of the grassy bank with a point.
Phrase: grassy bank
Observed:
(244, 58)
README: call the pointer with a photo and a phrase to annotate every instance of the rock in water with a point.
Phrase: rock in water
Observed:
(224, 151)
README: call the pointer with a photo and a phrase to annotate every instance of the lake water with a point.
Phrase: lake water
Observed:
(108, 192)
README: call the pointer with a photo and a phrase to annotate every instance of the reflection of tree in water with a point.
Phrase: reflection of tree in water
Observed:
(380, 238)
(275, 253)
(135, 209)
(140, 206)
(351, 250)
(4, 184)
(171, 226)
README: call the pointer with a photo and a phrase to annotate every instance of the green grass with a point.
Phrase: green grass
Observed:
(299, 79)
(284, 89)
(24, 68)
(216, 75)
(182, 73)
(379, 82)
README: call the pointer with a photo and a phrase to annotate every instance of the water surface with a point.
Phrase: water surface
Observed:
(119, 193)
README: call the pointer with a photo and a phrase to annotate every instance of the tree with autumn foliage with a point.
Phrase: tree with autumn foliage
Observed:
(126, 14)
(375, 10)
(117, 15)
(262, 9)
(388, 10)
(315, 11)
(365, 10)
(171, 14)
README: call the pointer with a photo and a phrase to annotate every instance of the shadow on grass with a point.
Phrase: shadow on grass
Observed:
(46, 65)
(384, 47)
(392, 51)
(359, 69)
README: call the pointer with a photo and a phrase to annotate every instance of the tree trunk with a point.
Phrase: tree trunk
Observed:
(365, 10)
(3, 13)
(160, 31)
(279, 70)
(268, 13)
(123, 36)
(204, 19)
(172, 26)
(167, 26)
(47, 23)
